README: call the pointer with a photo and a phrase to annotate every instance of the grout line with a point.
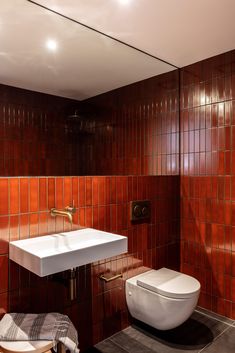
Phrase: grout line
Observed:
(215, 318)
(215, 339)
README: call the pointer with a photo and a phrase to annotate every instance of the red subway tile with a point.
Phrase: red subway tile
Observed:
(81, 191)
(33, 194)
(4, 273)
(101, 191)
(33, 225)
(43, 223)
(43, 194)
(4, 303)
(4, 200)
(59, 193)
(51, 193)
(14, 195)
(14, 227)
(75, 191)
(67, 192)
(81, 211)
(24, 226)
(113, 190)
(24, 195)
(88, 191)
(88, 217)
(95, 191)
(4, 234)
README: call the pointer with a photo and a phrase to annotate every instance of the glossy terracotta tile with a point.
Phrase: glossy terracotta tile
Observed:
(4, 199)
(42, 194)
(3, 303)
(43, 223)
(14, 228)
(4, 234)
(33, 225)
(24, 195)
(14, 195)
(68, 192)
(132, 138)
(59, 193)
(51, 193)
(95, 190)
(28, 146)
(88, 191)
(216, 218)
(82, 219)
(24, 226)
(113, 190)
(82, 191)
(101, 217)
(95, 217)
(88, 217)
(4, 273)
(33, 194)
(75, 191)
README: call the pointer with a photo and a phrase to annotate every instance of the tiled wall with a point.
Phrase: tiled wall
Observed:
(208, 179)
(102, 203)
(135, 129)
(35, 138)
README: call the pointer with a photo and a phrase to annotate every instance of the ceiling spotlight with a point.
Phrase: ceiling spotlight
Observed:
(51, 44)
(124, 2)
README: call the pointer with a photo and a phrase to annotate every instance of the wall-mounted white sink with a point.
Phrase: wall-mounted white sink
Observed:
(59, 252)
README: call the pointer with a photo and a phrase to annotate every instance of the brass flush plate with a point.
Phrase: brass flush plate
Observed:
(140, 210)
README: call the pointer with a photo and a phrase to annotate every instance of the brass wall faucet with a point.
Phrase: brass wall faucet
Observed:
(67, 212)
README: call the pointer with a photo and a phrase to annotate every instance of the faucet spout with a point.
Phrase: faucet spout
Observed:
(68, 212)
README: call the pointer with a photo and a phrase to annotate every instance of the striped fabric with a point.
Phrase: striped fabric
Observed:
(34, 327)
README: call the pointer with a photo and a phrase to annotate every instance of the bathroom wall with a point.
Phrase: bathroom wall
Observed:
(35, 138)
(102, 203)
(139, 144)
(208, 179)
(136, 129)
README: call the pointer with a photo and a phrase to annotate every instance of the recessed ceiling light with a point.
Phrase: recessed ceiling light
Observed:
(124, 2)
(51, 44)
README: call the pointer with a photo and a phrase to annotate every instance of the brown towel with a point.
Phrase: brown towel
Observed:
(35, 327)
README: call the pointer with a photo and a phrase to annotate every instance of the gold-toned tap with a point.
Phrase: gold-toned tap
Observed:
(67, 212)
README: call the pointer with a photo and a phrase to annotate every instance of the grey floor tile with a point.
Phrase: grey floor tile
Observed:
(192, 336)
(130, 344)
(201, 333)
(138, 341)
(215, 316)
(223, 344)
(107, 346)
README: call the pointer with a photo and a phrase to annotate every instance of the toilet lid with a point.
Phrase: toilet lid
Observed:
(169, 283)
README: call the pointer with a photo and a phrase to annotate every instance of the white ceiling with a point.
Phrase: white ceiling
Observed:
(86, 63)
(179, 31)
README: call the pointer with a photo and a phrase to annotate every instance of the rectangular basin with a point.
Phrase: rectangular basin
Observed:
(54, 253)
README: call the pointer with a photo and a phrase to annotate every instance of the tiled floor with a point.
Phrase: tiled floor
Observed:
(203, 332)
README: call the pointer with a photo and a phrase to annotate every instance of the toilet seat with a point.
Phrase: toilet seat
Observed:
(169, 283)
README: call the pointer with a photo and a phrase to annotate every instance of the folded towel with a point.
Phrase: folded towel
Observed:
(34, 327)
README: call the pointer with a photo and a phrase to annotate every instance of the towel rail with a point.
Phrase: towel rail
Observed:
(103, 278)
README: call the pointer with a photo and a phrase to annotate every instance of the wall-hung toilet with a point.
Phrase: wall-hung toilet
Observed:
(162, 298)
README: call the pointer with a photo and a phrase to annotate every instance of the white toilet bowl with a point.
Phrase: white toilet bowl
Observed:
(162, 298)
